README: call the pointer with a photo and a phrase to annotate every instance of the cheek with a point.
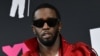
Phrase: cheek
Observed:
(53, 30)
(37, 31)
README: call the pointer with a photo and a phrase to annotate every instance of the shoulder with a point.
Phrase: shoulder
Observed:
(32, 45)
(77, 49)
(27, 54)
(81, 49)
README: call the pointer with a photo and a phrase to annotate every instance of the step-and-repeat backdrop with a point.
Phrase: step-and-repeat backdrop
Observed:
(80, 18)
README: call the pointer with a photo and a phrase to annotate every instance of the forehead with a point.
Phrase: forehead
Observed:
(45, 13)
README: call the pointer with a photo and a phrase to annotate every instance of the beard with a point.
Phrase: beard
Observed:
(48, 42)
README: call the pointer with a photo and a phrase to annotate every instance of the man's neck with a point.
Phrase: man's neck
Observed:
(50, 51)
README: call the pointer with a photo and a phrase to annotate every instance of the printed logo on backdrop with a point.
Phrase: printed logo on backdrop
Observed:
(15, 49)
(20, 6)
(95, 39)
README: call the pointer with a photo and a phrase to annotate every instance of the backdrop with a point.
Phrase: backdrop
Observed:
(78, 16)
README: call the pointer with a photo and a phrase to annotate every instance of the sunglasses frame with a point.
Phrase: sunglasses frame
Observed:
(51, 22)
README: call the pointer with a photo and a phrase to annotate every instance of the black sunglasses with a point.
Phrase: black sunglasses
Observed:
(40, 22)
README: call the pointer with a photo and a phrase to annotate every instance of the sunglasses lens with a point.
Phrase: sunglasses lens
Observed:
(38, 23)
(51, 22)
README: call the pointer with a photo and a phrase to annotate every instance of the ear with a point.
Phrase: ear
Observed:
(33, 29)
(60, 26)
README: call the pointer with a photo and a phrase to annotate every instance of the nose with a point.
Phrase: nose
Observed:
(45, 26)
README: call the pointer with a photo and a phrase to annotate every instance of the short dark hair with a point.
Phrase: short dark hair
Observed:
(46, 5)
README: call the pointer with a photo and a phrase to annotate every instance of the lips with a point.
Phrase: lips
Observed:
(46, 35)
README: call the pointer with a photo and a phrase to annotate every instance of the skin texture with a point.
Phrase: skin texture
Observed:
(47, 34)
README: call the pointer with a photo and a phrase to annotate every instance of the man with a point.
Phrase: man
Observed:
(49, 41)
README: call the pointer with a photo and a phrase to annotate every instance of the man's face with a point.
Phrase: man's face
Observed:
(48, 31)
